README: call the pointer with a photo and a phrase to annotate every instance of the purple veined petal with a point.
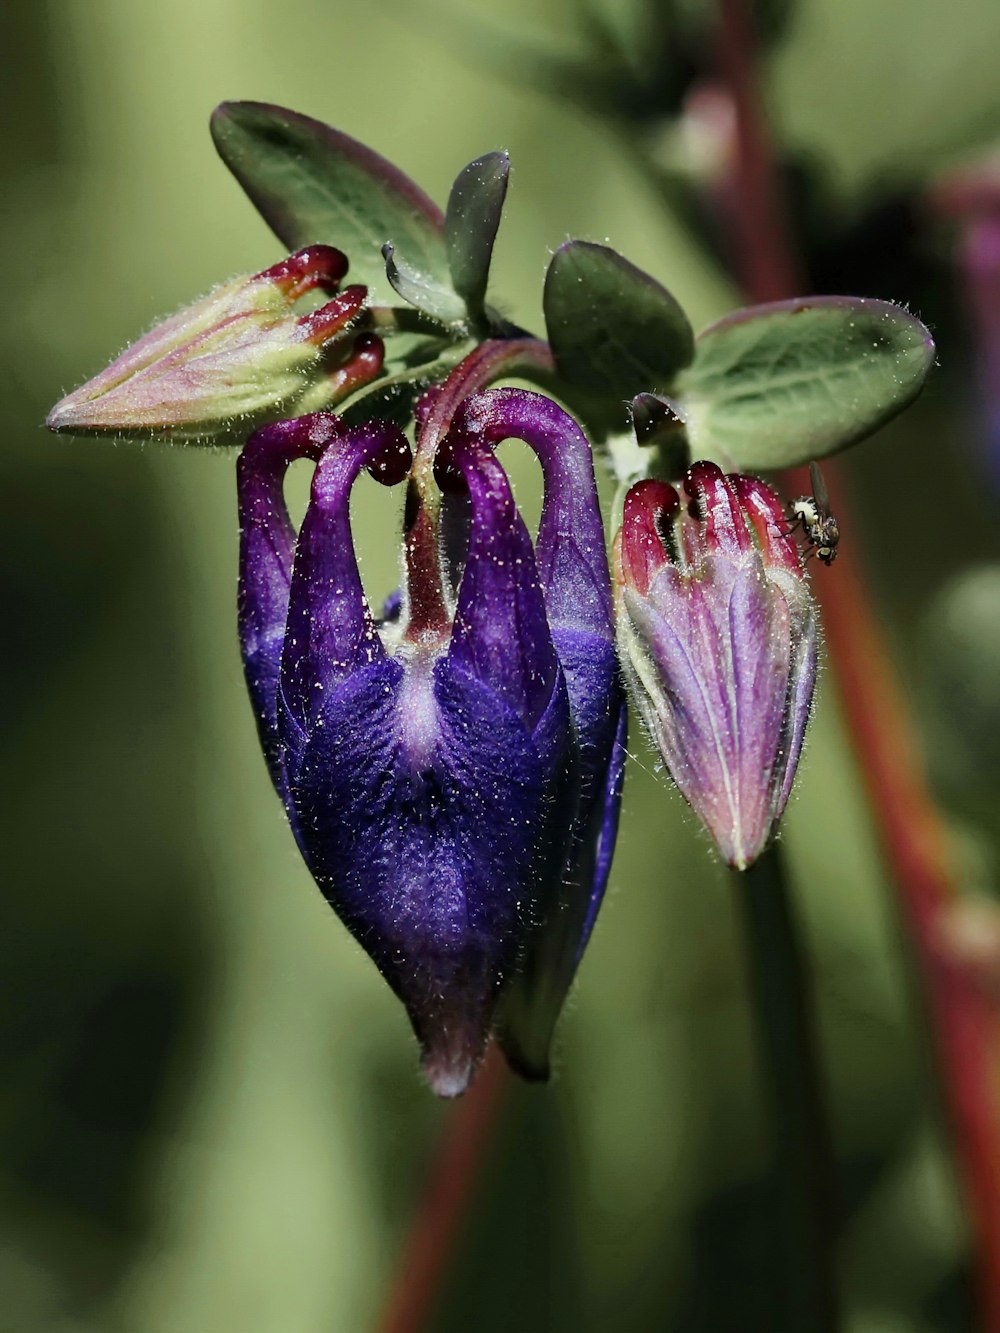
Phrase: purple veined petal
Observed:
(724, 647)
(573, 570)
(760, 661)
(501, 632)
(331, 632)
(267, 545)
(607, 812)
(803, 674)
(717, 635)
(531, 1006)
(570, 551)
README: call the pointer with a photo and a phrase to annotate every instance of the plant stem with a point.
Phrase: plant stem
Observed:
(914, 837)
(803, 1157)
(963, 1021)
(452, 1178)
(758, 223)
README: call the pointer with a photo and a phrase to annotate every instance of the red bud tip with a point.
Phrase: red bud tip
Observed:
(650, 508)
(315, 266)
(321, 325)
(725, 529)
(362, 366)
(766, 515)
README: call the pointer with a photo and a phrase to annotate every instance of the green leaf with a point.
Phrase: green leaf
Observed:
(421, 291)
(613, 329)
(470, 225)
(775, 385)
(311, 183)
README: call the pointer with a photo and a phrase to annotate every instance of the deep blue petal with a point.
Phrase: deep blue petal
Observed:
(331, 632)
(501, 632)
(267, 542)
(531, 1006)
(572, 561)
(573, 571)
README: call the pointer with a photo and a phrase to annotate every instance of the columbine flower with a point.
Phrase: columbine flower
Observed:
(241, 354)
(717, 635)
(430, 767)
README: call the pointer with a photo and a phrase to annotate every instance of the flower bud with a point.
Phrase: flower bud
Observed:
(240, 355)
(717, 635)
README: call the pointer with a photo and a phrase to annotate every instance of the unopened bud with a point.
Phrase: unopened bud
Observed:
(242, 355)
(717, 637)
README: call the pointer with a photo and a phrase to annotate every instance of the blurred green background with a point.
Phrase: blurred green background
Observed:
(210, 1113)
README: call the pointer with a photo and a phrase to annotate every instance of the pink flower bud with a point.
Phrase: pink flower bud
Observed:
(242, 354)
(717, 636)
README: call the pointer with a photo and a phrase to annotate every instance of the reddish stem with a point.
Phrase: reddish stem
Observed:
(451, 1183)
(964, 1023)
(490, 361)
(963, 1018)
(758, 221)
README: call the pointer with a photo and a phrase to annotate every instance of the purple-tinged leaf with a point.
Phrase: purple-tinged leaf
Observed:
(312, 183)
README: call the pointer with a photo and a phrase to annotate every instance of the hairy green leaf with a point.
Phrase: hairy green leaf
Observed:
(440, 303)
(775, 385)
(614, 330)
(311, 183)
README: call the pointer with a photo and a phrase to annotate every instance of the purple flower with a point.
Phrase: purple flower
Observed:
(437, 773)
(717, 635)
(240, 354)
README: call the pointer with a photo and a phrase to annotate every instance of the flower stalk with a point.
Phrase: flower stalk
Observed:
(453, 1176)
(804, 1168)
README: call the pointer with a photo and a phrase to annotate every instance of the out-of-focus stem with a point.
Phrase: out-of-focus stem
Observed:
(452, 1178)
(803, 1154)
(914, 840)
(764, 256)
(963, 1019)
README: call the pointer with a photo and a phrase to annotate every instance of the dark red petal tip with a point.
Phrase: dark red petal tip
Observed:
(719, 509)
(764, 511)
(319, 326)
(650, 507)
(315, 266)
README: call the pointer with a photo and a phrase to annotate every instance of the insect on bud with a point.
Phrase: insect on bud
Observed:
(242, 354)
(717, 636)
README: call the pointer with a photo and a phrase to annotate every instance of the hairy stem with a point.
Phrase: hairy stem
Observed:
(803, 1156)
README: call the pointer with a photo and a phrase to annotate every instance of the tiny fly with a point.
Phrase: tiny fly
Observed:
(812, 514)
